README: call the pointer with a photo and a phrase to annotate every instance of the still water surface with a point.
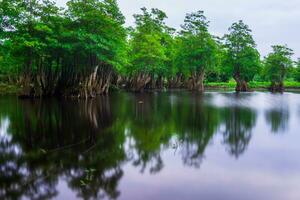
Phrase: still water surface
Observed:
(172, 145)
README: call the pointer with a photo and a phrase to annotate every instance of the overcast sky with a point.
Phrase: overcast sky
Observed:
(272, 21)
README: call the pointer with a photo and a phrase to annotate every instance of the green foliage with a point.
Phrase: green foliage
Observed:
(151, 44)
(277, 63)
(252, 84)
(197, 47)
(39, 31)
(227, 85)
(59, 49)
(94, 28)
(297, 71)
(217, 73)
(242, 60)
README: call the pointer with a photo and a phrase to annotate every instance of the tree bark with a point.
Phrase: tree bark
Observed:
(199, 86)
(27, 86)
(140, 81)
(160, 83)
(241, 85)
(277, 87)
(195, 82)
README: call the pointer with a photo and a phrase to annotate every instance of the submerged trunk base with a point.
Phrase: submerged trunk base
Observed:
(80, 85)
(277, 87)
(195, 83)
(242, 86)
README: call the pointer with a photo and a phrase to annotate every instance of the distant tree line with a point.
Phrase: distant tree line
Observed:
(85, 49)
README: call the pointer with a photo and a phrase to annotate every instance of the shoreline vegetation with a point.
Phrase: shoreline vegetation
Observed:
(11, 89)
(85, 49)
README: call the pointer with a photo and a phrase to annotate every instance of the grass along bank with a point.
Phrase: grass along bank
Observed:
(11, 89)
(253, 85)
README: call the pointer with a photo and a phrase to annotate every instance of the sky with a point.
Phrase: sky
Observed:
(273, 22)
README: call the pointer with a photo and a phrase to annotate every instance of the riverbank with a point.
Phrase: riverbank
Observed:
(11, 89)
(289, 85)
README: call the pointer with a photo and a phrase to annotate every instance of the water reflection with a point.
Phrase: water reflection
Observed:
(61, 140)
(238, 124)
(87, 143)
(278, 114)
(199, 123)
(278, 119)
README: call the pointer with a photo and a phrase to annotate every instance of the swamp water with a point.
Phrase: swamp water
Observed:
(169, 145)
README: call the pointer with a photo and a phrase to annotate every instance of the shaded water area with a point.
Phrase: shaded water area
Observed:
(170, 145)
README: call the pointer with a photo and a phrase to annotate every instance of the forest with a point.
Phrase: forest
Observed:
(85, 50)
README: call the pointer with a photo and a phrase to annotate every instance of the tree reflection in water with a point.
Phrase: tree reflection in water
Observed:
(51, 141)
(238, 123)
(87, 142)
(278, 119)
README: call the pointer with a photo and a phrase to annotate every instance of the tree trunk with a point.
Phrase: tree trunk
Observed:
(140, 81)
(195, 82)
(199, 85)
(176, 82)
(277, 87)
(241, 85)
(190, 83)
(179, 81)
(160, 83)
(26, 85)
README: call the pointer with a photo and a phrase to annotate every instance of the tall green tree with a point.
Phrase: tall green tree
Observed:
(9, 11)
(95, 40)
(74, 52)
(198, 49)
(297, 71)
(149, 44)
(276, 66)
(217, 73)
(242, 60)
(29, 35)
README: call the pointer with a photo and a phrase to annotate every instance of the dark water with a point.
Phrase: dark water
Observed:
(152, 146)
